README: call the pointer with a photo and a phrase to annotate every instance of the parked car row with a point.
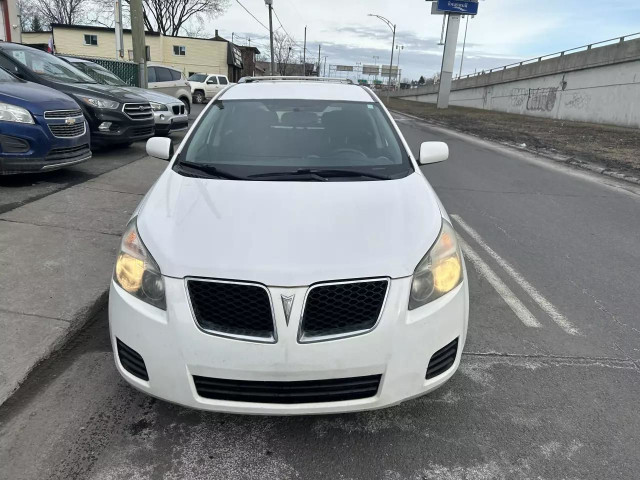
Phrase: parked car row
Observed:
(54, 110)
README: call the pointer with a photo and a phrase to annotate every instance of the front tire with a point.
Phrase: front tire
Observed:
(187, 105)
(198, 97)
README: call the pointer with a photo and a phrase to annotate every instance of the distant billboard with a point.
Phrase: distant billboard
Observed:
(344, 68)
(385, 71)
(371, 70)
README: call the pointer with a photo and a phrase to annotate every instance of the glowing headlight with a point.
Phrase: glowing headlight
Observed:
(100, 102)
(439, 272)
(13, 113)
(158, 107)
(137, 272)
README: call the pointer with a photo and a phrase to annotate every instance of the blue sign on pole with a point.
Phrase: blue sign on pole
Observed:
(456, 6)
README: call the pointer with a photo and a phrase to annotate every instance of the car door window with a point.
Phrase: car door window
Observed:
(163, 75)
(175, 75)
(212, 81)
(151, 71)
(223, 80)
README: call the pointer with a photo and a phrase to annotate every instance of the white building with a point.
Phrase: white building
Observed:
(9, 22)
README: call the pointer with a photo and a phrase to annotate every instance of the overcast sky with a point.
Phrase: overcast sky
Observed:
(504, 30)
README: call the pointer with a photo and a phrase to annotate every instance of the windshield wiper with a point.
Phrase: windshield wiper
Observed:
(210, 169)
(322, 173)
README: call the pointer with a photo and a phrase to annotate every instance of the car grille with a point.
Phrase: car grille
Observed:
(62, 114)
(342, 309)
(179, 125)
(442, 360)
(178, 109)
(308, 391)
(131, 361)
(64, 130)
(138, 111)
(232, 309)
(68, 152)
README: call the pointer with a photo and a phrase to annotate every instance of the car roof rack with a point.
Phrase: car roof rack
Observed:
(274, 78)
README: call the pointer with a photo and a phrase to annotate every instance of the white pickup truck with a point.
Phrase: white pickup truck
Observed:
(206, 85)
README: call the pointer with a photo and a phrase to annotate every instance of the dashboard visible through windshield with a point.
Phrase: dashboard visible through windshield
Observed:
(286, 139)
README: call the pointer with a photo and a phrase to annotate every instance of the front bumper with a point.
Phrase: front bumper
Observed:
(399, 349)
(122, 130)
(168, 121)
(43, 151)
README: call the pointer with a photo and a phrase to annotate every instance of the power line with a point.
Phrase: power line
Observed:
(254, 17)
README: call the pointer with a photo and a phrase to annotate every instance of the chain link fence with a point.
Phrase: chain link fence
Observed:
(126, 71)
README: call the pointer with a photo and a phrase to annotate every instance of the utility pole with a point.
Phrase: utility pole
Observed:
(137, 37)
(319, 59)
(324, 72)
(304, 54)
(269, 3)
(399, 48)
(448, 59)
(118, 30)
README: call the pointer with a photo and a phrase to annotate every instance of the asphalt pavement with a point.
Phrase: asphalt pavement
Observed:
(548, 386)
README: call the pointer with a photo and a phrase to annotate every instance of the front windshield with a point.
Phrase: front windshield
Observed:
(48, 66)
(7, 77)
(197, 77)
(99, 74)
(250, 138)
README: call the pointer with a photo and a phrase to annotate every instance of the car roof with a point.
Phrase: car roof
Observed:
(305, 90)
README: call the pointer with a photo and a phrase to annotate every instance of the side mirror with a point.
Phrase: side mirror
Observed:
(433, 152)
(160, 147)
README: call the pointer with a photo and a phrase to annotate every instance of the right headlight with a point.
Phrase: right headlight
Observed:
(439, 271)
(158, 107)
(100, 102)
(13, 113)
(136, 271)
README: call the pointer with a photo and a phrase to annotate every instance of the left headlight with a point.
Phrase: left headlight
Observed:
(439, 271)
(136, 271)
(158, 107)
(13, 113)
(100, 102)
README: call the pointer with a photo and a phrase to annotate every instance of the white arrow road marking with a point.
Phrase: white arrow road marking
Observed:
(537, 297)
(505, 292)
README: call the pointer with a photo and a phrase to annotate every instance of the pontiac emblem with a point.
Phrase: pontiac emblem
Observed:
(287, 303)
(70, 121)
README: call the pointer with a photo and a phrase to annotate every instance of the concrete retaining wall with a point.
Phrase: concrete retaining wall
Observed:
(599, 85)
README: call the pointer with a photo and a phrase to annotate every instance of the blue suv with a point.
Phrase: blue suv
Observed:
(41, 129)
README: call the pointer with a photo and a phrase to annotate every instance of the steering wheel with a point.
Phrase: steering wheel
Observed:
(348, 150)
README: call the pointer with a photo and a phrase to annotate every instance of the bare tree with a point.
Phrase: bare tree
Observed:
(284, 53)
(169, 17)
(66, 12)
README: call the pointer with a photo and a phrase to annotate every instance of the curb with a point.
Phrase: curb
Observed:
(573, 161)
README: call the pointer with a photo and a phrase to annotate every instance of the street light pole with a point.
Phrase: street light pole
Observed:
(464, 44)
(269, 3)
(304, 54)
(393, 43)
(399, 48)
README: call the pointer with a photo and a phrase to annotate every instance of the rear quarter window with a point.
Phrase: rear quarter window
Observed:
(175, 74)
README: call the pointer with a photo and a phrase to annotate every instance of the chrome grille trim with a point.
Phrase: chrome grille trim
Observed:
(246, 338)
(138, 111)
(62, 113)
(62, 130)
(325, 338)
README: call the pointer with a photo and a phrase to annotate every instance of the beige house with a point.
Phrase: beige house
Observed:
(189, 55)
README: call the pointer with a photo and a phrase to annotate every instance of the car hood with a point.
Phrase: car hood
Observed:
(288, 233)
(152, 96)
(34, 97)
(110, 92)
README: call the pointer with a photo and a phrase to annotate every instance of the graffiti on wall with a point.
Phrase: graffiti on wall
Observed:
(535, 99)
(519, 96)
(542, 99)
(578, 100)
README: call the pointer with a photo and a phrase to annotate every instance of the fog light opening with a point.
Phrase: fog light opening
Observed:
(104, 126)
